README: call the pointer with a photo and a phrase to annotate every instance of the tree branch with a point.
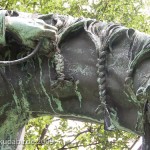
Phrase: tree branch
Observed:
(44, 131)
(134, 142)
(80, 146)
(68, 143)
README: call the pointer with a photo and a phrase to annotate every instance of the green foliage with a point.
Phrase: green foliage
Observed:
(65, 134)
(61, 135)
(126, 12)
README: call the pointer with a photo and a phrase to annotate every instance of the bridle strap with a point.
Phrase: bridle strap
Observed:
(21, 60)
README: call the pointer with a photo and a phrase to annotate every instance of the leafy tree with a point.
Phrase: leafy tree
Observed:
(54, 133)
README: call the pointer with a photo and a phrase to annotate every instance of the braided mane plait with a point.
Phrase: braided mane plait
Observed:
(103, 41)
(101, 71)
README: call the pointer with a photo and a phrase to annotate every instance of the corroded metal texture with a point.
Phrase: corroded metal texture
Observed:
(91, 71)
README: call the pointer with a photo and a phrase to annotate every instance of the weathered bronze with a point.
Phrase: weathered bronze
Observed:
(80, 69)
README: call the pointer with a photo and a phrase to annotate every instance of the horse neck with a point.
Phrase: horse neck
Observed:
(33, 84)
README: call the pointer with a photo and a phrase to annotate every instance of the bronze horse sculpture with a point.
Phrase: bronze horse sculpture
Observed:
(81, 69)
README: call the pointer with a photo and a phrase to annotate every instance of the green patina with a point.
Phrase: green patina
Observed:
(115, 121)
(78, 92)
(118, 126)
(2, 108)
(62, 89)
(113, 117)
(37, 92)
(10, 126)
(140, 44)
(24, 100)
(139, 123)
(79, 116)
(42, 86)
(84, 70)
(49, 69)
(29, 77)
(17, 116)
(2, 27)
(16, 100)
(13, 122)
(58, 103)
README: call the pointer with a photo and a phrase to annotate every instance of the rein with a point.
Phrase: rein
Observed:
(21, 60)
